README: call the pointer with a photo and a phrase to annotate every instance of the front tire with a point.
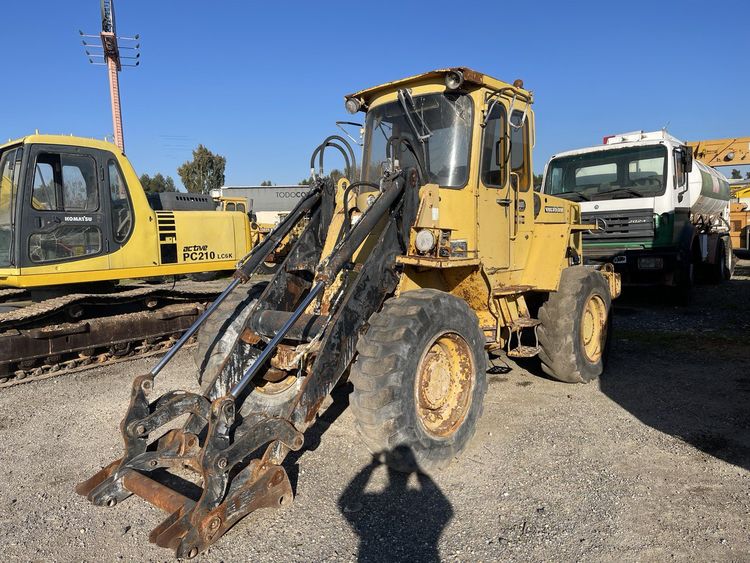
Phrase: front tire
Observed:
(575, 326)
(419, 380)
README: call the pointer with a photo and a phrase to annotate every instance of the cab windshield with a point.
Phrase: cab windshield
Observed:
(10, 168)
(609, 174)
(441, 121)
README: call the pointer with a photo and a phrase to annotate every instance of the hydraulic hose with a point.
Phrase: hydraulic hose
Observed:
(328, 142)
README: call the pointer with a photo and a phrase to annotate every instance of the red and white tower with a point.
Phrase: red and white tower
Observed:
(111, 58)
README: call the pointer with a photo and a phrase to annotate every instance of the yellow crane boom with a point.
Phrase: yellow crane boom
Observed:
(722, 152)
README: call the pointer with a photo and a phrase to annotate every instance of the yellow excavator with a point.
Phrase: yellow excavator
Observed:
(74, 221)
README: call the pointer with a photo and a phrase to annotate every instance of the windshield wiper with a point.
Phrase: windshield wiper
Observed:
(404, 96)
(631, 191)
(573, 192)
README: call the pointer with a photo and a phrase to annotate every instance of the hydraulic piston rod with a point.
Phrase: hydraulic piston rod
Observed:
(271, 346)
(247, 267)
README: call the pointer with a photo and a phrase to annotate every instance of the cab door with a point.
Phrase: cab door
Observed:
(66, 213)
(521, 183)
(496, 208)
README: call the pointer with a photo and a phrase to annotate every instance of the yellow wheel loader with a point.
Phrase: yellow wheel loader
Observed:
(403, 281)
(74, 219)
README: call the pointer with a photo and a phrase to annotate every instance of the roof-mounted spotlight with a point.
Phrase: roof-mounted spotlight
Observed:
(353, 105)
(454, 79)
(729, 156)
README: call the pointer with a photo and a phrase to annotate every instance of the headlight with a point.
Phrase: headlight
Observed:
(425, 240)
(353, 105)
(454, 79)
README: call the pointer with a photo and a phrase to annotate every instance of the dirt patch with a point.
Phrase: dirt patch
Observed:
(650, 463)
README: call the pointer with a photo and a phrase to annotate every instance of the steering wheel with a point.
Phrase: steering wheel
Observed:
(648, 181)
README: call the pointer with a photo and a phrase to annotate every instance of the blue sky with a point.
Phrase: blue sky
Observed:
(262, 83)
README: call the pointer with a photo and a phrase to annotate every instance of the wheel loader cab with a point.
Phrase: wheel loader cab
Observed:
(72, 210)
(480, 228)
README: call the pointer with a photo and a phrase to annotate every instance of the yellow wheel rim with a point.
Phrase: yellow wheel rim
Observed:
(594, 328)
(444, 385)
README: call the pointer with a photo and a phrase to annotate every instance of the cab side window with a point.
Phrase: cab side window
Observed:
(519, 149)
(122, 213)
(492, 169)
(44, 193)
(679, 169)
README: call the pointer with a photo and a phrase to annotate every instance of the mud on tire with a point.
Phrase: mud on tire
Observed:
(395, 412)
(569, 351)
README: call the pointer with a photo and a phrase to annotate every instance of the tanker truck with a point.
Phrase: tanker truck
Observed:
(658, 215)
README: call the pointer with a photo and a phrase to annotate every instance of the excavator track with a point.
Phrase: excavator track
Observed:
(79, 331)
(75, 365)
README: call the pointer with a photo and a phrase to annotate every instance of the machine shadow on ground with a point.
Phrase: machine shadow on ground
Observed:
(401, 522)
(683, 370)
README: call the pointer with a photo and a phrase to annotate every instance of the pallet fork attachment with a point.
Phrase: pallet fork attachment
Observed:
(221, 431)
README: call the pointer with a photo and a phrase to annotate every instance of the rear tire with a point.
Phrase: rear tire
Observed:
(721, 270)
(575, 326)
(419, 380)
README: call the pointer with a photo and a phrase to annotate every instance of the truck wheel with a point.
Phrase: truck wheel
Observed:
(721, 270)
(220, 331)
(419, 380)
(575, 326)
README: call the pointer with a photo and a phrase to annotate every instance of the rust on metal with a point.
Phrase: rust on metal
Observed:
(444, 384)
(154, 492)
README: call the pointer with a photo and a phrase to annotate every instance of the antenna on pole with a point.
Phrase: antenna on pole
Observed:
(111, 58)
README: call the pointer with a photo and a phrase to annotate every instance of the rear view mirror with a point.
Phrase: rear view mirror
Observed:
(687, 159)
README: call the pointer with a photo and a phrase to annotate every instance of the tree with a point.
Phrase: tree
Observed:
(266, 183)
(747, 175)
(157, 183)
(305, 182)
(736, 174)
(204, 173)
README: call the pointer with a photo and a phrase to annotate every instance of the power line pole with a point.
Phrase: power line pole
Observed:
(111, 58)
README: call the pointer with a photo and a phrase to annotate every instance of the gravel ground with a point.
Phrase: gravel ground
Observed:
(650, 463)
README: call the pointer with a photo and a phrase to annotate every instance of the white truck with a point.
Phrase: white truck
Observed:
(661, 217)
